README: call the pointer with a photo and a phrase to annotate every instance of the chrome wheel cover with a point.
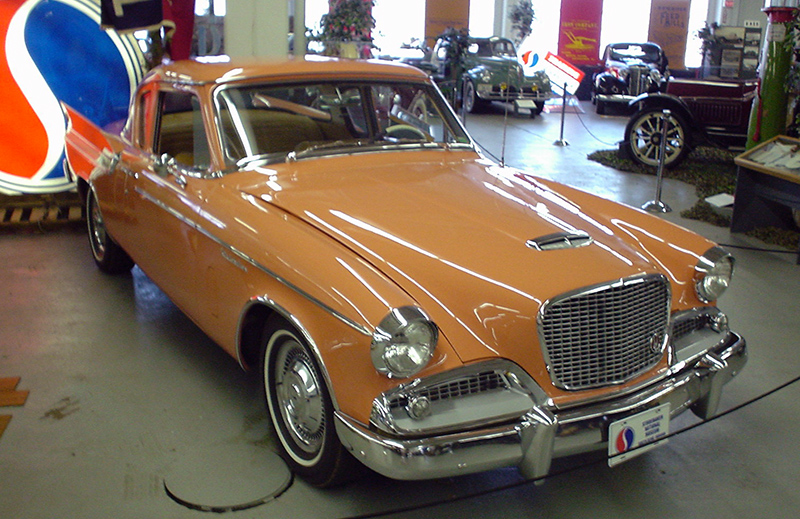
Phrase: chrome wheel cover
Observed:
(299, 397)
(646, 135)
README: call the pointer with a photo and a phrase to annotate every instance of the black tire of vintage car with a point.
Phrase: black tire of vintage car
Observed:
(472, 102)
(109, 257)
(644, 134)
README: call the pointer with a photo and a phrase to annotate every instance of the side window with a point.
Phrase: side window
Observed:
(180, 131)
(145, 123)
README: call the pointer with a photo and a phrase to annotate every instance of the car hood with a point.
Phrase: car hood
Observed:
(453, 232)
(497, 64)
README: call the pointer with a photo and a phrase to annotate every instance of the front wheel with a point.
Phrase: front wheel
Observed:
(644, 134)
(108, 256)
(472, 103)
(301, 411)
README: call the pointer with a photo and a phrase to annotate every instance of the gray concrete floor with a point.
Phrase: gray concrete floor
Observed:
(129, 400)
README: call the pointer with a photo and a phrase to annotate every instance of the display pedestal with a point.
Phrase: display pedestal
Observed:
(768, 186)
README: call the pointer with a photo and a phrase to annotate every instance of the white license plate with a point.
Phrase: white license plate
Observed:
(637, 434)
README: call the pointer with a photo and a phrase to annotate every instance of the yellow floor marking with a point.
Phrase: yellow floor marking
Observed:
(10, 396)
(4, 419)
(9, 383)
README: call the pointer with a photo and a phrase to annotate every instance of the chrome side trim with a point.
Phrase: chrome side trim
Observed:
(199, 228)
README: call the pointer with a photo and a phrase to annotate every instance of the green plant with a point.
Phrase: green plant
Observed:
(708, 41)
(455, 42)
(521, 16)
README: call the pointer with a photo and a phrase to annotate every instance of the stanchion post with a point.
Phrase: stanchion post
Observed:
(561, 141)
(657, 206)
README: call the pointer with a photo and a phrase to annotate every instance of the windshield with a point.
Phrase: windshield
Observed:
(646, 53)
(489, 48)
(273, 122)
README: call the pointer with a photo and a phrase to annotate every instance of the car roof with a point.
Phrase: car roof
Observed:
(228, 70)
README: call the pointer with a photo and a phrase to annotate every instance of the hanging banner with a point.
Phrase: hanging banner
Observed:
(579, 31)
(669, 27)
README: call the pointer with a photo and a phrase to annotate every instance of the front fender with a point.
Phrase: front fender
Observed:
(663, 101)
(605, 83)
(332, 296)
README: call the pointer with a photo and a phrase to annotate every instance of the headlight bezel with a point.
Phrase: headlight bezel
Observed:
(396, 355)
(713, 274)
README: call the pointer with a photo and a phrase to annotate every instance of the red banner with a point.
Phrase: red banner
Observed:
(579, 33)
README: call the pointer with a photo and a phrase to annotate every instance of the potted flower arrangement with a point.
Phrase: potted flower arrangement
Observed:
(346, 31)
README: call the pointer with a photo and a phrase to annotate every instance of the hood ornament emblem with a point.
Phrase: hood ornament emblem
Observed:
(560, 240)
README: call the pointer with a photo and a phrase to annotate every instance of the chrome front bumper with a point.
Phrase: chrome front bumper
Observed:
(543, 434)
(515, 96)
(614, 98)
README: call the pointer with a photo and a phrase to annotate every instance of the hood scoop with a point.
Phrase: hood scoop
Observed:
(560, 240)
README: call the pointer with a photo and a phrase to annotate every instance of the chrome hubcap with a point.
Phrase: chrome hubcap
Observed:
(299, 396)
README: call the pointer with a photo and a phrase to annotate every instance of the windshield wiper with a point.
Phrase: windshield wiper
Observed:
(307, 150)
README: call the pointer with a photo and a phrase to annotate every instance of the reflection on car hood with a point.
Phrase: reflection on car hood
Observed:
(453, 232)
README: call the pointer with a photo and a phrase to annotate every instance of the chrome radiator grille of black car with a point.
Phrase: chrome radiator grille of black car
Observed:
(637, 80)
(606, 334)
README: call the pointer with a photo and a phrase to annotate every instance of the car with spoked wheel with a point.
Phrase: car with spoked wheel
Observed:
(408, 304)
(707, 112)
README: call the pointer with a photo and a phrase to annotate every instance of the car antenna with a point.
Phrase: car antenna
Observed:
(505, 118)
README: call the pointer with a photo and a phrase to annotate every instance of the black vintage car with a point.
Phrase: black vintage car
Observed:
(631, 69)
(710, 111)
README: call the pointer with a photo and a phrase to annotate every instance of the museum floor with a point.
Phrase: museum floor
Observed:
(131, 409)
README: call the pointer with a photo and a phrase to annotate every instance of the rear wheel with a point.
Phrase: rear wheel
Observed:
(108, 256)
(644, 134)
(301, 411)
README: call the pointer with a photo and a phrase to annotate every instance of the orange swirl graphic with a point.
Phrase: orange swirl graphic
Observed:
(23, 139)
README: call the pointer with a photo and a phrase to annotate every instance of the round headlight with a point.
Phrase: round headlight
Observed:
(713, 274)
(403, 343)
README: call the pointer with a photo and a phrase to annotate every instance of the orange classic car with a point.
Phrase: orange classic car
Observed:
(409, 304)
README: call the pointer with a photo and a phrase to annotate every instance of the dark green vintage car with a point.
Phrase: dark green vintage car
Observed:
(490, 70)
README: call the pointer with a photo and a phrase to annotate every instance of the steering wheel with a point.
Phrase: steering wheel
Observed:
(406, 131)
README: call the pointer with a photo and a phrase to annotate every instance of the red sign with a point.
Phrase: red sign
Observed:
(562, 72)
(579, 32)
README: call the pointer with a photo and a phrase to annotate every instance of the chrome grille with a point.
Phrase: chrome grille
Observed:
(684, 327)
(477, 383)
(637, 79)
(607, 334)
